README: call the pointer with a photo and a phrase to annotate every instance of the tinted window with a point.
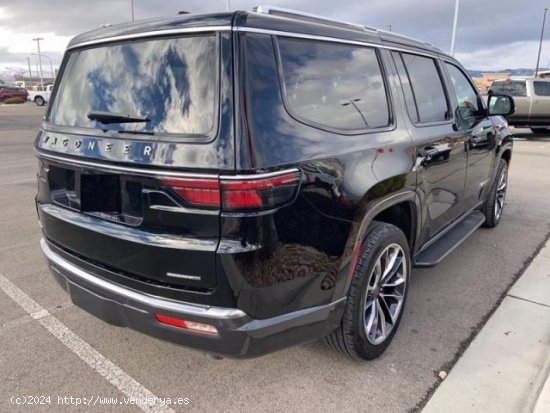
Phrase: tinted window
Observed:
(406, 86)
(509, 87)
(542, 88)
(427, 88)
(334, 85)
(172, 82)
(466, 96)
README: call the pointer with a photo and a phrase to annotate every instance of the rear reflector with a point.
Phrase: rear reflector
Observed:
(186, 325)
(239, 193)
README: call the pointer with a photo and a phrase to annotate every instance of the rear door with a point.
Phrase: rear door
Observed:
(471, 119)
(440, 150)
(136, 136)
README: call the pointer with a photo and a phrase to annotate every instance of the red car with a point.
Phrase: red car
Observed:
(12, 92)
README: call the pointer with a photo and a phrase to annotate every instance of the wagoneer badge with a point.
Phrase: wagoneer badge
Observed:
(94, 147)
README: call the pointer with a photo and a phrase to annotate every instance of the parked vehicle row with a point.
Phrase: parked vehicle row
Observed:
(40, 97)
(242, 182)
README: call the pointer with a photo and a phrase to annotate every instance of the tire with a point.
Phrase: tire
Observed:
(359, 334)
(540, 131)
(494, 205)
(39, 100)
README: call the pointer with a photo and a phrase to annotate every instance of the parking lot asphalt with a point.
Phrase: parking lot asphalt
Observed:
(447, 305)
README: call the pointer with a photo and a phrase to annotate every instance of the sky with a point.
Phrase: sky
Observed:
(492, 34)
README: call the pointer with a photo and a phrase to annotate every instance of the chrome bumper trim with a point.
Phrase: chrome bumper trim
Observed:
(132, 295)
(135, 235)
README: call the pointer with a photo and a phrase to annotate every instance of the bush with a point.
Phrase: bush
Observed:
(10, 101)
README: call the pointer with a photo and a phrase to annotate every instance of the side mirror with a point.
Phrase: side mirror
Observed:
(502, 105)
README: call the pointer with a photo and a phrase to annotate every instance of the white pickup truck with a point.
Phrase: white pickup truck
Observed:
(532, 99)
(40, 97)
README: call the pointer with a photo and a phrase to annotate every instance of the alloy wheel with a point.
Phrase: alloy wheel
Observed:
(385, 293)
(501, 192)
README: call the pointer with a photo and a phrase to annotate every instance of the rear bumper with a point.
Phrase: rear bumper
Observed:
(239, 334)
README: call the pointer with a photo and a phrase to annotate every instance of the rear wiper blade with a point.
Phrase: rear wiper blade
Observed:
(112, 117)
(137, 132)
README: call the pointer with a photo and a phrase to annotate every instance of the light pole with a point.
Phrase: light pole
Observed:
(50, 59)
(228, 5)
(37, 40)
(132, 4)
(353, 103)
(457, 2)
(37, 71)
(540, 44)
(30, 71)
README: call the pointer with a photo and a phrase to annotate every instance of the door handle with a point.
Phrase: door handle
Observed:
(427, 152)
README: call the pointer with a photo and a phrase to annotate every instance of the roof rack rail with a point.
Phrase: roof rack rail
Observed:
(404, 37)
(295, 14)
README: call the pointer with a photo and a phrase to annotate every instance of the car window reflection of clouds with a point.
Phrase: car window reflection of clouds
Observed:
(170, 81)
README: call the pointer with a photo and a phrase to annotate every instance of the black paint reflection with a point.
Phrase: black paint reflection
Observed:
(297, 242)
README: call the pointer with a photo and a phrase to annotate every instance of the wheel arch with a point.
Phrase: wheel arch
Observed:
(389, 210)
(507, 155)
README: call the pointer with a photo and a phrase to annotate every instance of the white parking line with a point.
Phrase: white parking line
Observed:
(102, 365)
(20, 182)
(27, 318)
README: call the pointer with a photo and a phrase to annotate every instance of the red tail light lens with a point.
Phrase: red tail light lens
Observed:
(200, 192)
(239, 193)
(262, 193)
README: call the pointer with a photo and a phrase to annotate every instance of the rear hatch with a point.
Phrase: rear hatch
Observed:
(132, 127)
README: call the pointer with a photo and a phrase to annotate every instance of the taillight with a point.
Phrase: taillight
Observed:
(238, 193)
(264, 193)
(200, 192)
(186, 324)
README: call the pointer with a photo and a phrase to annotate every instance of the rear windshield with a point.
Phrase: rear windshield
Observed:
(509, 87)
(170, 82)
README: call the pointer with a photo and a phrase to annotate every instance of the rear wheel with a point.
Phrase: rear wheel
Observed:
(376, 296)
(497, 195)
(39, 100)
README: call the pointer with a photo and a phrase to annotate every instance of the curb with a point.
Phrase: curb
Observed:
(505, 369)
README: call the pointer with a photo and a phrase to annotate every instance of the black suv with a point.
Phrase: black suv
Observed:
(241, 182)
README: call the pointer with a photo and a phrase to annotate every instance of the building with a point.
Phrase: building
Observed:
(32, 83)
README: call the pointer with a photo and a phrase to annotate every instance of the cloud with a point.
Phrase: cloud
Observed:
(514, 55)
(486, 31)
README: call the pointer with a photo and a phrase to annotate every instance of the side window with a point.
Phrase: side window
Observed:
(509, 87)
(427, 88)
(333, 85)
(466, 96)
(542, 88)
(412, 108)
